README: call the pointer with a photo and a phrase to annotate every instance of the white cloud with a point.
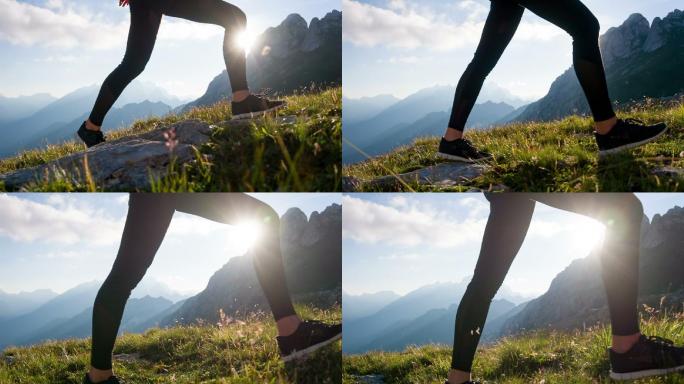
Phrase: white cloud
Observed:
(406, 26)
(409, 225)
(62, 26)
(61, 220)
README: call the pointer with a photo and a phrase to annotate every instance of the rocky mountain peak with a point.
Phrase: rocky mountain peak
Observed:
(625, 40)
(661, 28)
(664, 228)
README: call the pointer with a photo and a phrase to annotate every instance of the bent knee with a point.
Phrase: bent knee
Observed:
(235, 18)
(587, 30)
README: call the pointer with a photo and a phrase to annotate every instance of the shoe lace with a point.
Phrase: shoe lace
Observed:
(634, 121)
(660, 341)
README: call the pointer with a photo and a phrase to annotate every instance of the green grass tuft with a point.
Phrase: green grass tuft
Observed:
(535, 357)
(304, 155)
(558, 156)
(240, 352)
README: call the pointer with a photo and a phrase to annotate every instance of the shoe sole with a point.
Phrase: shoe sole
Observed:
(631, 145)
(305, 352)
(461, 159)
(253, 115)
(646, 373)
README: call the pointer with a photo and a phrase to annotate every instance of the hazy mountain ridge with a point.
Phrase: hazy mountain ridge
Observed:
(424, 113)
(419, 316)
(59, 120)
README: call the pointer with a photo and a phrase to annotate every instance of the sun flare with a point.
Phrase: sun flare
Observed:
(245, 40)
(588, 234)
(246, 234)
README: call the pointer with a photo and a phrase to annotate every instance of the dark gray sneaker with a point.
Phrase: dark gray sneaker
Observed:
(111, 380)
(467, 382)
(461, 150)
(650, 356)
(254, 106)
(309, 337)
(626, 134)
(90, 138)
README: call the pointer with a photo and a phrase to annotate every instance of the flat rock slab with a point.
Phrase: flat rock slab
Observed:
(370, 379)
(124, 164)
(669, 172)
(440, 175)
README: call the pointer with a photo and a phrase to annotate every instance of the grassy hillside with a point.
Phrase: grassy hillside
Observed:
(553, 156)
(237, 352)
(537, 357)
(266, 156)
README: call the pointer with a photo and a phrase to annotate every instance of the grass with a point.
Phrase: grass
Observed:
(540, 357)
(557, 156)
(303, 155)
(238, 352)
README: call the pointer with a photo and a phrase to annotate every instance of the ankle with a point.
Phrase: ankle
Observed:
(453, 134)
(458, 377)
(605, 126)
(92, 127)
(97, 375)
(240, 96)
(622, 344)
(288, 325)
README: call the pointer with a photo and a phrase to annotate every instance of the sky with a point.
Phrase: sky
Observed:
(58, 241)
(57, 46)
(401, 46)
(401, 242)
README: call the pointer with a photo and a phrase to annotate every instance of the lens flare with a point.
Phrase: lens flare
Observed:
(245, 40)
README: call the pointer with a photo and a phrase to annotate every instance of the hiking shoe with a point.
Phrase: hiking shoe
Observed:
(467, 382)
(626, 134)
(254, 106)
(650, 356)
(111, 380)
(309, 337)
(90, 138)
(461, 150)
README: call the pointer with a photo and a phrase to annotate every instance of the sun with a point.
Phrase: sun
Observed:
(588, 234)
(245, 40)
(246, 234)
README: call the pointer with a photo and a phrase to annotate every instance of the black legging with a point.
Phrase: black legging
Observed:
(509, 219)
(148, 219)
(502, 22)
(146, 16)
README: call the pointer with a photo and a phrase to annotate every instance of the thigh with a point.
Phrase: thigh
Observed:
(570, 15)
(500, 27)
(142, 33)
(597, 205)
(227, 208)
(204, 11)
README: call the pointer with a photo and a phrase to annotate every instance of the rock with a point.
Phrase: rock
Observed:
(656, 37)
(370, 379)
(440, 175)
(625, 40)
(9, 360)
(293, 223)
(124, 164)
(127, 358)
(668, 172)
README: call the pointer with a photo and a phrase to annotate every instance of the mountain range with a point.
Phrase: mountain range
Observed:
(384, 321)
(641, 60)
(575, 299)
(386, 123)
(292, 56)
(312, 257)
